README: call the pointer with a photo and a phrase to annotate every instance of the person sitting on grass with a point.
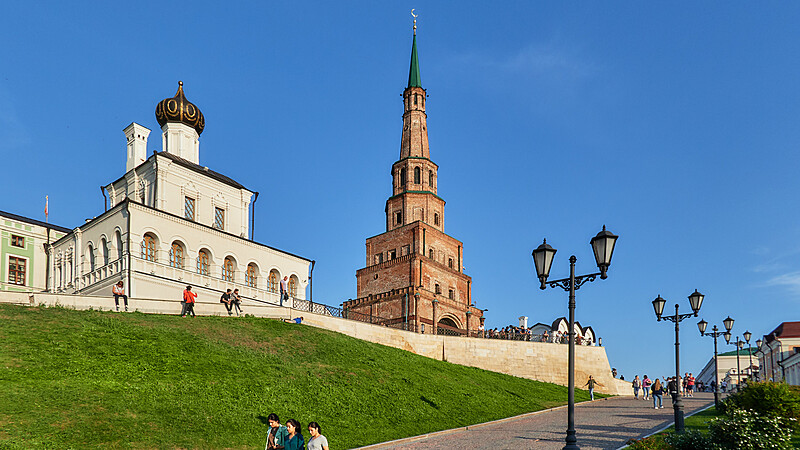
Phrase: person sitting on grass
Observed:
(277, 435)
(295, 439)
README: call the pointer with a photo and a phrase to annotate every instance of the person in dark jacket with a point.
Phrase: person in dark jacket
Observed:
(657, 392)
(295, 439)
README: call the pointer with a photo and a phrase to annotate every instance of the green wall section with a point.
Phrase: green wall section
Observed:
(7, 250)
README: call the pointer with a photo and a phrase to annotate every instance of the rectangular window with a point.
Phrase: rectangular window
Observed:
(404, 250)
(437, 288)
(17, 241)
(219, 218)
(378, 258)
(430, 253)
(392, 254)
(16, 270)
(450, 262)
(398, 217)
(451, 294)
(188, 208)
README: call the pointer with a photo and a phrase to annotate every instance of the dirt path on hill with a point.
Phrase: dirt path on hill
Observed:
(602, 424)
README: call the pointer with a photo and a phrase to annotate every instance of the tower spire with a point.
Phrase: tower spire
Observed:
(414, 79)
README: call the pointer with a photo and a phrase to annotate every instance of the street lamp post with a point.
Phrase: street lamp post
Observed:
(739, 344)
(695, 301)
(728, 323)
(747, 335)
(603, 247)
(758, 349)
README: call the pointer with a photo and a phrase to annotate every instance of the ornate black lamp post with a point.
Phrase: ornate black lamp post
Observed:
(695, 301)
(747, 335)
(758, 349)
(728, 323)
(603, 247)
(739, 344)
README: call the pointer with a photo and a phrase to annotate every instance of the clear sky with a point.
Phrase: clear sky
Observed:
(673, 123)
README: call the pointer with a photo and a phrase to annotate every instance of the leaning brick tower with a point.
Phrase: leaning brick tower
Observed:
(414, 275)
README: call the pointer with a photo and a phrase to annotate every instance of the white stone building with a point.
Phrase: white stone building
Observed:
(775, 355)
(171, 222)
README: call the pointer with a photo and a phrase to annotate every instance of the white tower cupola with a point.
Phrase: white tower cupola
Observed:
(181, 124)
(136, 136)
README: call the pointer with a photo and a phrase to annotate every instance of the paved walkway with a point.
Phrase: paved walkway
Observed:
(602, 424)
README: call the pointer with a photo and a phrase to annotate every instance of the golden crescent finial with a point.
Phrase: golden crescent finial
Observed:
(415, 20)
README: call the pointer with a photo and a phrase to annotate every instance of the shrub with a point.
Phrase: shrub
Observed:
(766, 398)
(649, 443)
(747, 429)
(690, 440)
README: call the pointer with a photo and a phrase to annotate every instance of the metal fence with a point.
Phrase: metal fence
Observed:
(333, 311)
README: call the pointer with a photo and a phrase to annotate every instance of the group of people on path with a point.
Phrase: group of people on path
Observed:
(656, 388)
(290, 436)
(515, 333)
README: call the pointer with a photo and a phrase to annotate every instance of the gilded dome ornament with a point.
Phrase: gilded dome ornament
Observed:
(178, 109)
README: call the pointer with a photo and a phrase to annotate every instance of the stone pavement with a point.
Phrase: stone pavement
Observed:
(603, 424)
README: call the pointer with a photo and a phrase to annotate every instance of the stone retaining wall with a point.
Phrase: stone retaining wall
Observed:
(534, 360)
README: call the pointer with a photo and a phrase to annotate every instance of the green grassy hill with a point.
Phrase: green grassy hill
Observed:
(88, 379)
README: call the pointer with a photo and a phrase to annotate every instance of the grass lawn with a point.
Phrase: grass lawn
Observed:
(88, 379)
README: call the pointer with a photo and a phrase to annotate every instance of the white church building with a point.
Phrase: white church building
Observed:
(171, 222)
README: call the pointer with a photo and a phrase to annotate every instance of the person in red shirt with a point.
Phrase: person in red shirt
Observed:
(188, 302)
(690, 386)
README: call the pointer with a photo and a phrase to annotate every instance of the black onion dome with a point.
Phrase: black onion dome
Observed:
(178, 109)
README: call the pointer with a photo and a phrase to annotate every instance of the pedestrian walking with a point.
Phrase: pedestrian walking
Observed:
(276, 436)
(658, 392)
(237, 302)
(672, 388)
(295, 439)
(646, 383)
(637, 383)
(690, 382)
(119, 291)
(317, 441)
(591, 383)
(188, 302)
(226, 299)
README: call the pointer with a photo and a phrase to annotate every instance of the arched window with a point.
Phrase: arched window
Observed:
(118, 243)
(272, 282)
(403, 176)
(91, 258)
(293, 286)
(149, 248)
(176, 255)
(417, 176)
(251, 277)
(202, 263)
(436, 219)
(430, 178)
(228, 269)
(104, 249)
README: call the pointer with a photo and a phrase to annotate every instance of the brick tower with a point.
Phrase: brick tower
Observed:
(414, 274)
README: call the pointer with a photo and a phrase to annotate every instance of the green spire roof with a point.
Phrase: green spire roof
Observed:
(414, 79)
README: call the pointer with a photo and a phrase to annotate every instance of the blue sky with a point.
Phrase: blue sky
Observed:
(675, 124)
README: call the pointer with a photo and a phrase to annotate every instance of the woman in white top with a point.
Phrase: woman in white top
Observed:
(317, 441)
